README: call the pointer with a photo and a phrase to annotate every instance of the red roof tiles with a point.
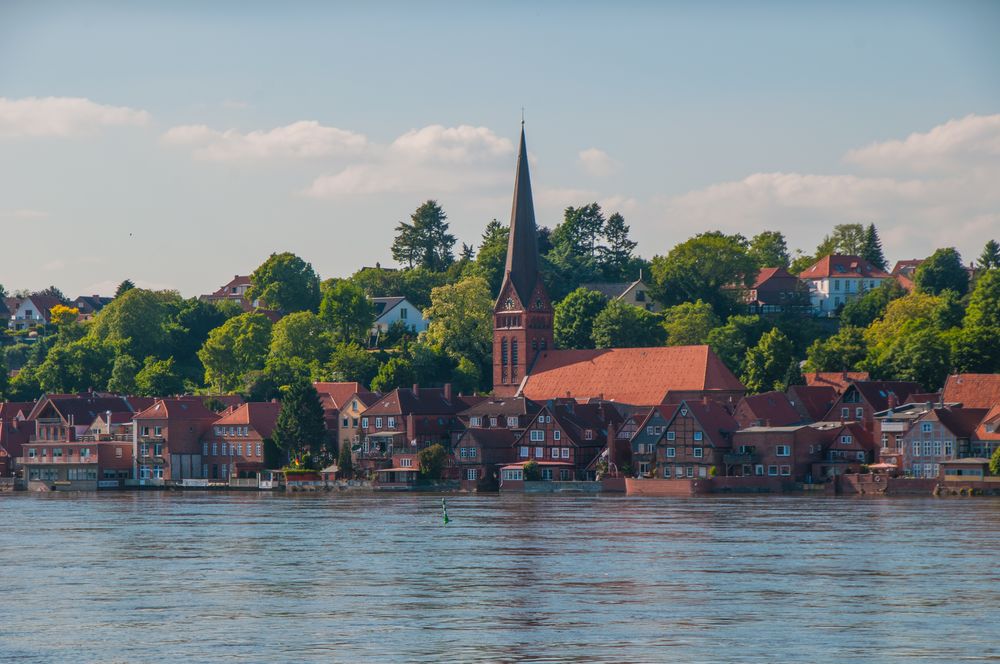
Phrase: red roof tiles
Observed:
(838, 380)
(261, 415)
(843, 266)
(973, 390)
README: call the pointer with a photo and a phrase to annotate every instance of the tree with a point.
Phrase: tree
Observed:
(351, 362)
(123, 375)
(769, 249)
(863, 311)
(793, 376)
(302, 335)
(300, 426)
(732, 340)
(573, 322)
(159, 378)
(767, 362)
(871, 249)
(75, 367)
(124, 287)
(995, 462)
(415, 285)
(52, 291)
(425, 242)
(397, 372)
(581, 230)
(615, 257)
(846, 239)
(234, 349)
(990, 258)
(622, 325)
(345, 463)
(924, 356)
(61, 315)
(984, 303)
(432, 460)
(710, 267)
(285, 282)
(531, 471)
(844, 351)
(492, 256)
(899, 342)
(975, 349)
(689, 323)
(135, 323)
(461, 320)
(942, 271)
(346, 310)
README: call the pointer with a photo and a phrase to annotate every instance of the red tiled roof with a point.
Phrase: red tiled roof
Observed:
(226, 291)
(10, 409)
(638, 376)
(973, 390)
(843, 266)
(876, 392)
(426, 401)
(714, 419)
(923, 397)
(335, 395)
(188, 408)
(82, 409)
(961, 421)
(773, 408)
(838, 380)
(812, 401)
(992, 418)
(261, 415)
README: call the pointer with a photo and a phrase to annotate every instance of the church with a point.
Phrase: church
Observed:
(527, 363)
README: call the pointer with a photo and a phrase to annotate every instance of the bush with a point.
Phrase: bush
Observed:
(532, 473)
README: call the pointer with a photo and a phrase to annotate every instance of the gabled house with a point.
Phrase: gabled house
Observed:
(102, 458)
(938, 434)
(904, 270)
(972, 390)
(847, 447)
(349, 419)
(89, 305)
(776, 451)
(31, 311)
(333, 396)
(768, 409)
(986, 438)
(635, 293)
(234, 291)
(15, 430)
(397, 309)
(168, 441)
(644, 429)
(863, 398)
(487, 443)
(697, 438)
(776, 291)
(236, 444)
(835, 280)
(812, 402)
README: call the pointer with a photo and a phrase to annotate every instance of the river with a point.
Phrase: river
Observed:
(238, 577)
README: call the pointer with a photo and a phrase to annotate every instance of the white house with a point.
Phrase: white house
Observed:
(835, 280)
(635, 293)
(32, 310)
(388, 310)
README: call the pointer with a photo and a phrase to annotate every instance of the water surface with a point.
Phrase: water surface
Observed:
(151, 577)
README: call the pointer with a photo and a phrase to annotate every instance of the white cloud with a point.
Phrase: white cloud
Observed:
(968, 142)
(562, 197)
(23, 213)
(598, 162)
(433, 159)
(62, 116)
(303, 139)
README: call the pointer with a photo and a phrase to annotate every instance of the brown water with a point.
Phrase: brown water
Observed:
(238, 577)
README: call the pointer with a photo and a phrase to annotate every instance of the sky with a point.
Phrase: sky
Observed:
(180, 143)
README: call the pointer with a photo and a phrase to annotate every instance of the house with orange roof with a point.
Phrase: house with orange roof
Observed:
(836, 279)
(696, 440)
(972, 390)
(777, 291)
(986, 438)
(838, 380)
(768, 409)
(168, 443)
(239, 444)
(333, 396)
(491, 428)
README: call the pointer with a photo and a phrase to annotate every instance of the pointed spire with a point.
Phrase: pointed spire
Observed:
(522, 247)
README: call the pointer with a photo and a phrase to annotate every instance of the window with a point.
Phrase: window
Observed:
(846, 440)
(493, 422)
(158, 449)
(698, 452)
(537, 436)
(885, 441)
(475, 421)
(671, 452)
(232, 431)
(937, 448)
(772, 471)
(406, 463)
(547, 474)
(391, 423)
(539, 452)
(232, 449)
(118, 453)
(157, 431)
(859, 413)
(473, 453)
(512, 474)
(786, 471)
(472, 474)
(158, 472)
(403, 312)
(346, 422)
(31, 453)
(523, 452)
(783, 450)
(364, 422)
(239, 449)
(224, 447)
(215, 449)
(845, 413)
(926, 427)
(144, 472)
(258, 450)
(649, 431)
(758, 470)
(378, 422)
(512, 422)
(702, 471)
(689, 471)
(557, 435)
(684, 412)
(671, 435)
(916, 448)
(697, 436)
(145, 431)
(555, 452)
(565, 452)
(204, 449)
(861, 456)
(948, 447)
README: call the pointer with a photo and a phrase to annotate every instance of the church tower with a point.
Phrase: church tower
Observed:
(522, 314)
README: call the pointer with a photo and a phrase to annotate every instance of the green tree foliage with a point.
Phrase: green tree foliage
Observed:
(461, 320)
(4, 385)
(846, 239)
(995, 462)
(52, 291)
(871, 250)
(25, 386)
(990, 258)
(732, 340)
(285, 282)
(345, 463)
(234, 349)
(75, 367)
(976, 349)
(984, 303)
(351, 362)
(793, 376)
(123, 374)
(573, 323)
(432, 459)
(615, 257)
(923, 356)
(300, 426)
(864, 310)
(426, 241)
(124, 287)
(705, 267)
(186, 326)
(492, 257)
(415, 285)
(767, 362)
(531, 471)
(689, 324)
(942, 271)
(844, 351)
(136, 322)
(346, 310)
(303, 336)
(397, 372)
(622, 325)
(769, 249)
(159, 378)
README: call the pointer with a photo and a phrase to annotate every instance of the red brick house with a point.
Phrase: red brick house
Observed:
(696, 440)
(644, 428)
(812, 402)
(60, 458)
(487, 443)
(776, 291)
(847, 447)
(168, 440)
(768, 409)
(776, 451)
(333, 397)
(938, 434)
(15, 430)
(236, 444)
(863, 398)
(838, 380)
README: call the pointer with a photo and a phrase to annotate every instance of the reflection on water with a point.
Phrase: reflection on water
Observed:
(241, 577)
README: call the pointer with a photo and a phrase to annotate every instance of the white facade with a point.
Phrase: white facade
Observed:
(27, 315)
(827, 294)
(397, 309)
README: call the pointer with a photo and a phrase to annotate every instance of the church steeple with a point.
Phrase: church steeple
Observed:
(522, 247)
(522, 316)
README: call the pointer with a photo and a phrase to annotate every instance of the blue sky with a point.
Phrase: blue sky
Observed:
(180, 143)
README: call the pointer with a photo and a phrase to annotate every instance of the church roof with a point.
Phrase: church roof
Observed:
(638, 376)
(522, 246)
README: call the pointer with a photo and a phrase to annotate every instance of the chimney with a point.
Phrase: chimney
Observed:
(411, 423)
(447, 391)
(108, 413)
(612, 461)
(893, 402)
(416, 389)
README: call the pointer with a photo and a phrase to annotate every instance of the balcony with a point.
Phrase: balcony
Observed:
(739, 458)
(60, 460)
